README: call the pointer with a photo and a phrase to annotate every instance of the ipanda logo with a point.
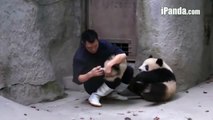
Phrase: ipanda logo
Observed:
(179, 11)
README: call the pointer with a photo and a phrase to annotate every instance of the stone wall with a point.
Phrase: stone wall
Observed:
(209, 26)
(211, 39)
(37, 41)
(179, 40)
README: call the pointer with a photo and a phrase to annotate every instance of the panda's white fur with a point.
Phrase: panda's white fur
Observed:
(116, 73)
(147, 67)
(152, 63)
(171, 89)
(171, 85)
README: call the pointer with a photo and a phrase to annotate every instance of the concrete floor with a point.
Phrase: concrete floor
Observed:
(193, 104)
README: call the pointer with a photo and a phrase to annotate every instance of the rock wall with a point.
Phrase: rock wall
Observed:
(209, 19)
(36, 44)
(179, 40)
(211, 39)
(63, 46)
(209, 27)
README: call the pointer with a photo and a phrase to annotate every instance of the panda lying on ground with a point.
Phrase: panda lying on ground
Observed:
(156, 82)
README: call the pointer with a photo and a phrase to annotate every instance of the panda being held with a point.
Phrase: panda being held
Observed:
(117, 69)
(156, 81)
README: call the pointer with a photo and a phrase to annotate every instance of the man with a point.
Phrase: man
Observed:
(87, 64)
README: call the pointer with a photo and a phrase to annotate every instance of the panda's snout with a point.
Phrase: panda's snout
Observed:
(141, 68)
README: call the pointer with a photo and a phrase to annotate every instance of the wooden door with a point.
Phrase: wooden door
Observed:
(115, 21)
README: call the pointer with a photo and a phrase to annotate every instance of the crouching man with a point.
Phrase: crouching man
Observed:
(88, 61)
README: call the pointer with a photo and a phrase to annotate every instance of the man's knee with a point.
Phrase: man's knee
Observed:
(113, 84)
(93, 84)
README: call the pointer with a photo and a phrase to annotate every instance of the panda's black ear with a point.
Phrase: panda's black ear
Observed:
(159, 61)
(150, 56)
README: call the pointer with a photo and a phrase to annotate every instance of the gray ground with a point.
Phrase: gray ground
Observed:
(193, 104)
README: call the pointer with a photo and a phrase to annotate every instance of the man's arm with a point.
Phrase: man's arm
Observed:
(96, 71)
(117, 59)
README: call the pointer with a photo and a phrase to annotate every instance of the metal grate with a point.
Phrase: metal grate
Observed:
(123, 46)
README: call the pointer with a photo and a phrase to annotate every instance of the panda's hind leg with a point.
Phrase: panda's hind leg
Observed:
(155, 92)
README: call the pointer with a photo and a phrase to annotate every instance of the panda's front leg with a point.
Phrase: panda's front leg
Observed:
(147, 88)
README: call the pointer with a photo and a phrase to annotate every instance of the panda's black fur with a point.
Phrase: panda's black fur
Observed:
(153, 85)
(156, 76)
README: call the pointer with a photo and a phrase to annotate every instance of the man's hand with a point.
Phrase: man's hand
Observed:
(96, 71)
(108, 69)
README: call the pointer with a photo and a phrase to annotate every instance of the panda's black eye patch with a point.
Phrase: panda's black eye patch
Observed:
(147, 67)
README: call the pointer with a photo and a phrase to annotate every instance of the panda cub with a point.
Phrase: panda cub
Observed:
(156, 81)
(117, 70)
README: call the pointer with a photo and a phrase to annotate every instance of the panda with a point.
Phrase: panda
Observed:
(117, 70)
(155, 82)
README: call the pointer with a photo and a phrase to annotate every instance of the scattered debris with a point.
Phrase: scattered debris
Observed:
(189, 118)
(76, 99)
(156, 118)
(128, 111)
(127, 118)
(135, 114)
(48, 110)
(33, 106)
(120, 113)
(207, 111)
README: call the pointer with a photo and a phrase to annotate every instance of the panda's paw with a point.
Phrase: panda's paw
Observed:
(147, 89)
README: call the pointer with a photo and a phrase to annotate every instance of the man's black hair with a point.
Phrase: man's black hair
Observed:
(89, 36)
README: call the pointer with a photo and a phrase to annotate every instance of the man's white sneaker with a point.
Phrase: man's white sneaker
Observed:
(94, 100)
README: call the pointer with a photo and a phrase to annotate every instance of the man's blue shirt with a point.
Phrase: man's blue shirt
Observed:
(84, 61)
